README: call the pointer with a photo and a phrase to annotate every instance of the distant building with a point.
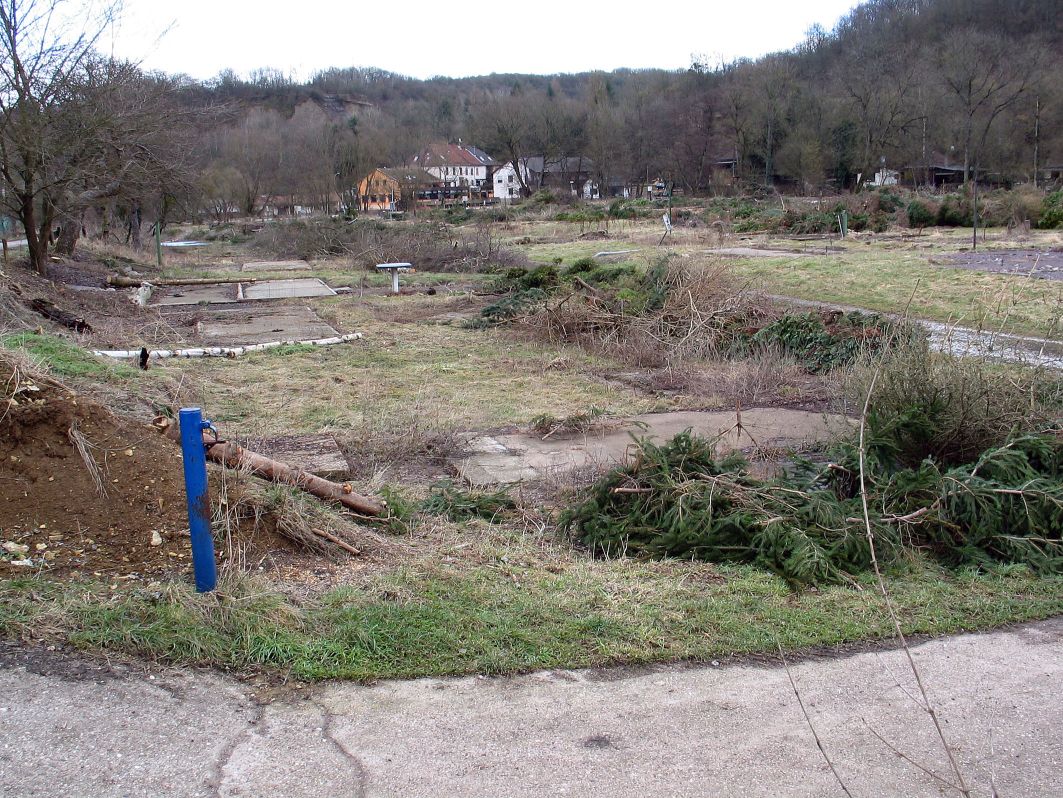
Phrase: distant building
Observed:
(564, 173)
(459, 165)
(886, 177)
(391, 189)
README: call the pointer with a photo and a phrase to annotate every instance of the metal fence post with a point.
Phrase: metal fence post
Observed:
(195, 463)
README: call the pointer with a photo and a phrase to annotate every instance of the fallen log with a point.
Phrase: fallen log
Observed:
(58, 315)
(122, 281)
(232, 455)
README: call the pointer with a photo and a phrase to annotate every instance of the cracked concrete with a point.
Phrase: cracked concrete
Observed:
(733, 730)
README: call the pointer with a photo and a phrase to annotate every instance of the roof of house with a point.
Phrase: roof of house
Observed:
(436, 155)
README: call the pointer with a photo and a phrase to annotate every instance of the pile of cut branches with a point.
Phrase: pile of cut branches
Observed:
(679, 500)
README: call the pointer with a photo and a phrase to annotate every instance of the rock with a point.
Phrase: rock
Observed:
(22, 562)
(11, 547)
(156, 538)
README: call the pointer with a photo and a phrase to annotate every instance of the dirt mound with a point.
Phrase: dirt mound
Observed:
(82, 491)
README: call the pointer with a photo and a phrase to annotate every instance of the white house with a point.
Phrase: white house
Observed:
(566, 172)
(458, 165)
(507, 186)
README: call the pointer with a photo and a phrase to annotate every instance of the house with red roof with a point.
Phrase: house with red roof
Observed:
(459, 166)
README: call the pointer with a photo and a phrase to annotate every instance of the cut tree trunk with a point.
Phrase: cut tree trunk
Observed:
(232, 455)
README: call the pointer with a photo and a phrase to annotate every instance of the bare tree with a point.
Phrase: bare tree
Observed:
(504, 125)
(985, 75)
(75, 128)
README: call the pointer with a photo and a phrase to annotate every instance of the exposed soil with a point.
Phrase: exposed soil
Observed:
(50, 502)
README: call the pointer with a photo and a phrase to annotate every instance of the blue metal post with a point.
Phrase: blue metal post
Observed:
(195, 460)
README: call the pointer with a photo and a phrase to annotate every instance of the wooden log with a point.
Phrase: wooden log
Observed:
(234, 456)
(231, 455)
(122, 281)
(58, 315)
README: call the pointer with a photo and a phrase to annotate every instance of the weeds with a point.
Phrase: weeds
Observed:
(458, 505)
(548, 425)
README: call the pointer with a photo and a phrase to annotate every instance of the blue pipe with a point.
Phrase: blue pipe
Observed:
(195, 460)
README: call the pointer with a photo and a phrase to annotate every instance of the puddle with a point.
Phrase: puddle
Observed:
(499, 459)
(1046, 264)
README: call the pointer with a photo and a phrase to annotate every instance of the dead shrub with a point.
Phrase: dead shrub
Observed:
(684, 312)
(389, 437)
(247, 508)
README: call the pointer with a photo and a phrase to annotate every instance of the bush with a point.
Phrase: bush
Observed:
(920, 214)
(680, 500)
(947, 408)
(817, 348)
(955, 211)
(888, 202)
(581, 266)
(458, 505)
(1051, 217)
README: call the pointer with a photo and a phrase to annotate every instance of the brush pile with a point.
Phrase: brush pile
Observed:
(679, 500)
(673, 312)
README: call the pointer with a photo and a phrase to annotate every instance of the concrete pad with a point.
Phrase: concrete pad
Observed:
(275, 266)
(495, 459)
(286, 289)
(219, 293)
(244, 325)
(317, 454)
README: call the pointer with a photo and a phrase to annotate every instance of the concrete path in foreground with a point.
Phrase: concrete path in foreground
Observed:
(734, 730)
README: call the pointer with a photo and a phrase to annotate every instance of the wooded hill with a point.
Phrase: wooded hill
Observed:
(900, 84)
(904, 83)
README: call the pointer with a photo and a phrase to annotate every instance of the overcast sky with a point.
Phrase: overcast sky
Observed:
(202, 37)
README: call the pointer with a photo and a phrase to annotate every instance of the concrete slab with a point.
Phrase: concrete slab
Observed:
(317, 454)
(244, 325)
(285, 289)
(497, 459)
(275, 266)
(195, 294)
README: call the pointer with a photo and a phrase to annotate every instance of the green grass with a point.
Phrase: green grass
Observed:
(500, 618)
(883, 280)
(64, 359)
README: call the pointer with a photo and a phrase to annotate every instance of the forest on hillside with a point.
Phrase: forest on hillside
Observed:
(896, 84)
(973, 83)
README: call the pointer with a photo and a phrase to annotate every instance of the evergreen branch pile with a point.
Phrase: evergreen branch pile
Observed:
(679, 500)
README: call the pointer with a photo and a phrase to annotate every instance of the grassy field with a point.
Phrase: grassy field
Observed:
(879, 274)
(504, 616)
(437, 597)
(402, 371)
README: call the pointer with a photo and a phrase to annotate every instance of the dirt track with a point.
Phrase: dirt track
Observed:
(733, 730)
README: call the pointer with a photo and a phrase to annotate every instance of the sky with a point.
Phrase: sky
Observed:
(201, 38)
